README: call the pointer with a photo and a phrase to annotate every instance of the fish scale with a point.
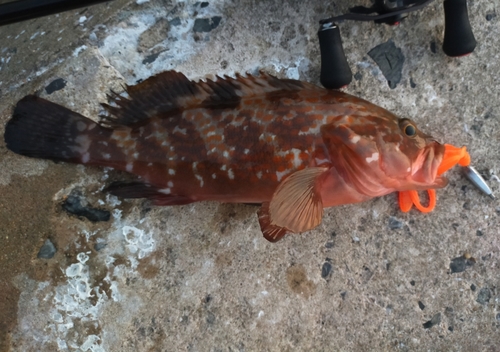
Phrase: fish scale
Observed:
(290, 145)
(229, 161)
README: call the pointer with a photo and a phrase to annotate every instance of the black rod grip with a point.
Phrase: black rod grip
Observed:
(335, 71)
(16, 11)
(458, 37)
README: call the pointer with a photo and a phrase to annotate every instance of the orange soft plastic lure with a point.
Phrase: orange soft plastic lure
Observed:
(452, 156)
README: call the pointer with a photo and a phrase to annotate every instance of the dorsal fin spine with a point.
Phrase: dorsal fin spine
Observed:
(171, 91)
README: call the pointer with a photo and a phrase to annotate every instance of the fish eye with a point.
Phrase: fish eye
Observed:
(410, 130)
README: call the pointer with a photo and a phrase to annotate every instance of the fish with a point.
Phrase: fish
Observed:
(291, 146)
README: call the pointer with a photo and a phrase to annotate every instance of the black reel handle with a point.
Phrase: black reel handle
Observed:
(335, 71)
(458, 37)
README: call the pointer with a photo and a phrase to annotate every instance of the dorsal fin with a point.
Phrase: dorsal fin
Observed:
(171, 91)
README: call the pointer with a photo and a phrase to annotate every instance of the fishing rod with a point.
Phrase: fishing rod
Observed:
(21, 10)
(335, 71)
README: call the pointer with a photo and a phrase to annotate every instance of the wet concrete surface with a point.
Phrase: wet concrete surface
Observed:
(201, 277)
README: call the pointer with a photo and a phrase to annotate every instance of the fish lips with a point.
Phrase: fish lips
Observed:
(426, 166)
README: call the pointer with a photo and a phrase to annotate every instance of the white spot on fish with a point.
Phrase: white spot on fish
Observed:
(106, 156)
(81, 126)
(355, 139)
(226, 154)
(129, 167)
(136, 155)
(170, 184)
(296, 157)
(223, 167)
(214, 176)
(103, 143)
(374, 157)
(171, 171)
(199, 179)
(259, 175)
(312, 130)
(83, 144)
(230, 174)
(164, 190)
(85, 158)
(246, 151)
(279, 175)
(179, 130)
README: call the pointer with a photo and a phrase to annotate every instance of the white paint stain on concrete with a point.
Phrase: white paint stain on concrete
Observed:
(291, 70)
(139, 243)
(80, 299)
(72, 301)
(120, 47)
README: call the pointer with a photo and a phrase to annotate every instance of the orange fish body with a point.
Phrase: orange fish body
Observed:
(292, 146)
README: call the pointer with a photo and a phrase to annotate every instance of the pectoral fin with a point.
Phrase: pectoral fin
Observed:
(271, 232)
(296, 205)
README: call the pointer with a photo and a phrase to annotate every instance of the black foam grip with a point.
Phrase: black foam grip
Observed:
(458, 37)
(335, 71)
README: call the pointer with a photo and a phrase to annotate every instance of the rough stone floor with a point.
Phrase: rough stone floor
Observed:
(201, 277)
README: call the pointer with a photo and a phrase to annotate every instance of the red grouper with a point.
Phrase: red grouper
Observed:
(292, 146)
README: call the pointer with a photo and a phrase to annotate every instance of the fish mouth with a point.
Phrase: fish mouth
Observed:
(425, 167)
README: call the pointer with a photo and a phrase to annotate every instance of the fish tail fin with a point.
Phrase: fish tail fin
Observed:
(42, 129)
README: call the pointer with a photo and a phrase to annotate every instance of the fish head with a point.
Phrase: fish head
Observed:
(383, 153)
(412, 157)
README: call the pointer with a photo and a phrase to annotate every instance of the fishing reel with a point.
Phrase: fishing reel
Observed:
(335, 71)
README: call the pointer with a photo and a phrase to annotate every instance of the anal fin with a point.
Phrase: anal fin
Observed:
(296, 205)
(146, 190)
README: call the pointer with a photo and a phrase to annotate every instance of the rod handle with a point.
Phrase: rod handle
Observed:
(335, 71)
(458, 37)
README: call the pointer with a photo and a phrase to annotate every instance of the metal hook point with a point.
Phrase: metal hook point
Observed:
(477, 180)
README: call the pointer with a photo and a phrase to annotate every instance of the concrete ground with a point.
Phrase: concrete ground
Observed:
(201, 277)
